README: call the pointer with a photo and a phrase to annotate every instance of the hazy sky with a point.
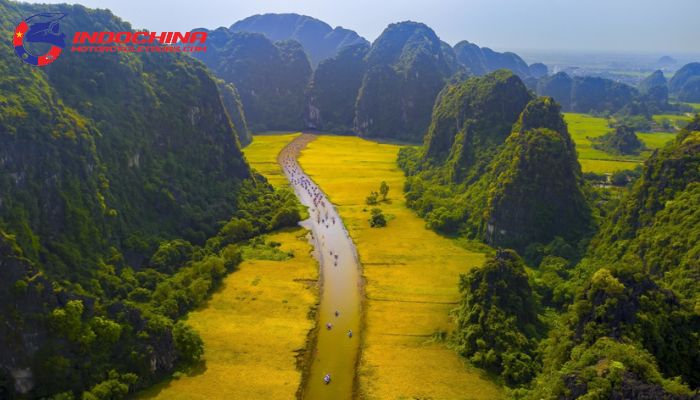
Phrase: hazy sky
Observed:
(656, 26)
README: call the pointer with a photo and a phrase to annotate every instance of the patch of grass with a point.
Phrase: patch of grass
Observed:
(696, 106)
(252, 328)
(262, 155)
(606, 166)
(655, 140)
(411, 278)
(259, 248)
(674, 120)
(582, 127)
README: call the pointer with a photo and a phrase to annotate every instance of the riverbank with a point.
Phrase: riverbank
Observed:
(411, 278)
(334, 354)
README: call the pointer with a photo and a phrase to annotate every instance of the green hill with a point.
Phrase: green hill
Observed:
(406, 68)
(271, 78)
(117, 174)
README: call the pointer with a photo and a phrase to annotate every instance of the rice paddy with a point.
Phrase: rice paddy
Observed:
(252, 329)
(411, 278)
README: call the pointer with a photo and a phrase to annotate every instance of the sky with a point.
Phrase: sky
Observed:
(631, 26)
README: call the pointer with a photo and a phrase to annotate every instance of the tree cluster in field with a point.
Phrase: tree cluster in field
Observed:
(377, 218)
(623, 141)
(124, 200)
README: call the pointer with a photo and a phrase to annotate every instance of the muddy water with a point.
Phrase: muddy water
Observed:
(335, 353)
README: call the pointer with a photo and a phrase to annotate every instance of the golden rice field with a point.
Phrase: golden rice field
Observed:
(411, 278)
(252, 328)
(262, 155)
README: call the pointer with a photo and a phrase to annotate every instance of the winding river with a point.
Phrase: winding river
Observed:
(336, 350)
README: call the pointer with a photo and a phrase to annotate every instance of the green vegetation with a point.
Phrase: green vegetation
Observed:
(585, 129)
(384, 190)
(622, 140)
(253, 326)
(411, 275)
(491, 178)
(118, 175)
(377, 218)
(406, 68)
(618, 307)
(497, 321)
(333, 90)
(271, 78)
(685, 84)
(232, 102)
(623, 319)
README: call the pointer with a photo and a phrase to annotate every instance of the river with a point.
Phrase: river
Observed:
(335, 352)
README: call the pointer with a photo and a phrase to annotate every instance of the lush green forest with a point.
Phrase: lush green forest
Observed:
(123, 195)
(600, 300)
(125, 199)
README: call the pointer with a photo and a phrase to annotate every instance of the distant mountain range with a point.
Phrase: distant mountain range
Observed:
(346, 84)
(317, 37)
(296, 72)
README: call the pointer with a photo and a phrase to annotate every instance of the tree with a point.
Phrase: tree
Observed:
(377, 220)
(236, 230)
(286, 217)
(384, 189)
(373, 198)
(497, 322)
(188, 343)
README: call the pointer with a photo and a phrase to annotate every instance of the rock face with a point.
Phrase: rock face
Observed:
(482, 60)
(234, 107)
(587, 94)
(535, 183)
(271, 78)
(654, 88)
(685, 84)
(471, 119)
(498, 165)
(652, 81)
(538, 70)
(318, 39)
(406, 68)
(558, 87)
(334, 88)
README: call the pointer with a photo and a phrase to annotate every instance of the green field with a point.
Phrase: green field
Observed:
(582, 127)
(674, 120)
(411, 278)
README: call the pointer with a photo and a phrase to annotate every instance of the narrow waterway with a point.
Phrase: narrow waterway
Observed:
(338, 338)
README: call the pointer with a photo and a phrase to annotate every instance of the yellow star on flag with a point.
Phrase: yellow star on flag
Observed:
(19, 34)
